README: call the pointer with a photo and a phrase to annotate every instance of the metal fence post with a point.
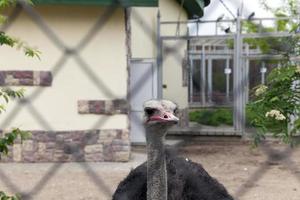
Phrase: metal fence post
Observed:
(238, 82)
(159, 59)
(247, 74)
(191, 85)
(203, 77)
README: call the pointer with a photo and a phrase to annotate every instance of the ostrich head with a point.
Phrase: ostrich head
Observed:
(159, 115)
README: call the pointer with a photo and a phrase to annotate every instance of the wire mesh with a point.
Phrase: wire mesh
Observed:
(284, 157)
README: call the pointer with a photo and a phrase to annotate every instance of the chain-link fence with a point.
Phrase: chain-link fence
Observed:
(165, 50)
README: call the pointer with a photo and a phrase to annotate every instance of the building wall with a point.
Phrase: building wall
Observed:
(144, 26)
(97, 72)
(77, 92)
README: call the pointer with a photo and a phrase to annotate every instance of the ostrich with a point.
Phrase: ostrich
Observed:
(164, 176)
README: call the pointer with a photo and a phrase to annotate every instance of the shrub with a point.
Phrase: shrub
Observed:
(212, 117)
(275, 106)
(219, 116)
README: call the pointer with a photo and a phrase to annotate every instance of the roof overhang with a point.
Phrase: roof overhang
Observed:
(124, 3)
(194, 8)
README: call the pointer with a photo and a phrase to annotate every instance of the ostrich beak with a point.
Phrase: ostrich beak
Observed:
(165, 117)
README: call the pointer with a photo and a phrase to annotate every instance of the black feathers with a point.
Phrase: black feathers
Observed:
(186, 181)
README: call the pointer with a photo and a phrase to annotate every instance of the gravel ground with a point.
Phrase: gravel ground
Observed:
(248, 174)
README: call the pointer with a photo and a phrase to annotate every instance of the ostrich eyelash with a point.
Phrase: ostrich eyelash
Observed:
(176, 111)
(150, 111)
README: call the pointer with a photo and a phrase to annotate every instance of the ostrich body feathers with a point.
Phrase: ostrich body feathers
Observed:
(186, 181)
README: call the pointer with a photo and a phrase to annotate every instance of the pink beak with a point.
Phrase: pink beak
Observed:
(165, 117)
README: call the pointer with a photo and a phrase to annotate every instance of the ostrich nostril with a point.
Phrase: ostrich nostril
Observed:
(166, 116)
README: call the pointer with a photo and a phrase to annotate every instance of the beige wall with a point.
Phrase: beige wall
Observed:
(105, 55)
(144, 45)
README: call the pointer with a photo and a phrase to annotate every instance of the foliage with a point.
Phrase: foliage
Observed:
(11, 41)
(7, 3)
(7, 94)
(212, 117)
(289, 7)
(286, 21)
(272, 45)
(3, 196)
(276, 104)
(219, 116)
(10, 137)
(275, 107)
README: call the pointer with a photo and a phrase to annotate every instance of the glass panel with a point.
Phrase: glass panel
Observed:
(258, 72)
(221, 82)
(196, 81)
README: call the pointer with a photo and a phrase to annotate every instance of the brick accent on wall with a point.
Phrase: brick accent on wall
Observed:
(71, 146)
(108, 107)
(25, 78)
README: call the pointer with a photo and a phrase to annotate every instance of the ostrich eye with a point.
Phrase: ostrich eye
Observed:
(150, 111)
(176, 111)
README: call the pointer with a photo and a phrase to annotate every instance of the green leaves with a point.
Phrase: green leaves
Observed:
(3, 19)
(212, 117)
(284, 23)
(9, 139)
(6, 94)
(274, 108)
(13, 42)
(9, 93)
(7, 40)
(7, 3)
(31, 52)
(275, 105)
(3, 196)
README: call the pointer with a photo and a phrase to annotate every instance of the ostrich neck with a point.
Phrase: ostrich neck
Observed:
(156, 164)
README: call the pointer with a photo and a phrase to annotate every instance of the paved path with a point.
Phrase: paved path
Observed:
(83, 181)
(251, 174)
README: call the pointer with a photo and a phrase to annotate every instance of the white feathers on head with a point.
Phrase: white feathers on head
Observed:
(160, 104)
(152, 104)
(168, 105)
